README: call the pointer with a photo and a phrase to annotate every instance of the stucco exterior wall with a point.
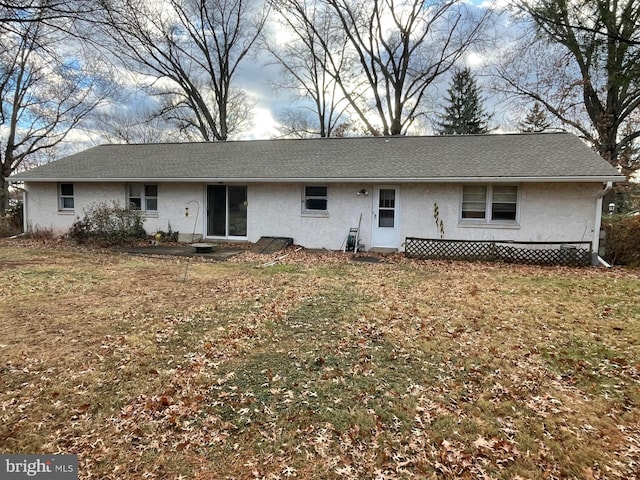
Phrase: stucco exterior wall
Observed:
(42, 203)
(554, 212)
(560, 212)
(173, 200)
(277, 210)
(42, 206)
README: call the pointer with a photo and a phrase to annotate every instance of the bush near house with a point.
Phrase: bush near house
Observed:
(11, 221)
(108, 224)
(622, 245)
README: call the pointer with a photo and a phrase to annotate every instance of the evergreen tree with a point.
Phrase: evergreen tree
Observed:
(464, 113)
(535, 121)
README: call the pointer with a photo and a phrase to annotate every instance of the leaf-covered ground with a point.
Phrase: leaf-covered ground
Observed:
(318, 367)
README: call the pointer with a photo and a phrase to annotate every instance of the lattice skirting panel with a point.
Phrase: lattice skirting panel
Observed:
(538, 253)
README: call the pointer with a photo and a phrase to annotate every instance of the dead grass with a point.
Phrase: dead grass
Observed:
(318, 367)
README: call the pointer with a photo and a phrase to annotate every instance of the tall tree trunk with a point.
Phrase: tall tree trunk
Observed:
(4, 195)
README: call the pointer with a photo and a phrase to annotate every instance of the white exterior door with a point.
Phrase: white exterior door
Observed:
(384, 224)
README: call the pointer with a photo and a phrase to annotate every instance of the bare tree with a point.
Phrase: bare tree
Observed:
(132, 124)
(583, 66)
(398, 49)
(587, 25)
(314, 47)
(56, 14)
(44, 95)
(191, 49)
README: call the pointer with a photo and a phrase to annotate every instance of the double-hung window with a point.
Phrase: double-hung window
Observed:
(315, 199)
(66, 199)
(504, 203)
(490, 204)
(143, 196)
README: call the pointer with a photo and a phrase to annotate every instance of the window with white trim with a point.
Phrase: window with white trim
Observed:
(143, 196)
(315, 199)
(66, 198)
(490, 203)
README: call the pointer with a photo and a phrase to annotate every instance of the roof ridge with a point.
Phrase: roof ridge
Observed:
(371, 137)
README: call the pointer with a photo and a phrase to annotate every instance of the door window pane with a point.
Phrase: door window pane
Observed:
(216, 210)
(238, 211)
(387, 198)
(386, 218)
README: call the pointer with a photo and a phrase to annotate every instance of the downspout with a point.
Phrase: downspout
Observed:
(595, 258)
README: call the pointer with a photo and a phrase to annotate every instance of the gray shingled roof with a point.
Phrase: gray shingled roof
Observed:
(522, 157)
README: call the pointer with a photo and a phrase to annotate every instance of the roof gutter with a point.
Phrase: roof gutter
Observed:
(608, 187)
(567, 179)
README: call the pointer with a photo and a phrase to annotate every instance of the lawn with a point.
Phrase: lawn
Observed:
(317, 366)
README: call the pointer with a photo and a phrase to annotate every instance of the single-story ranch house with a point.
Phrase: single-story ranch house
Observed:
(514, 187)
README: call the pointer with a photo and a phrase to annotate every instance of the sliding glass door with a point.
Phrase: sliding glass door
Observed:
(226, 211)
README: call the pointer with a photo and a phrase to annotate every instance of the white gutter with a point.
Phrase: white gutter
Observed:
(598, 222)
(568, 179)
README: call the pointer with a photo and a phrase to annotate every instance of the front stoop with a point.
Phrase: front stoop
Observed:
(383, 250)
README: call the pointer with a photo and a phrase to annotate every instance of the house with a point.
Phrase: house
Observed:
(514, 187)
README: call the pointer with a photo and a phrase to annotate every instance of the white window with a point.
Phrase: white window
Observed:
(490, 203)
(474, 201)
(315, 198)
(66, 196)
(143, 196)
(504, 203)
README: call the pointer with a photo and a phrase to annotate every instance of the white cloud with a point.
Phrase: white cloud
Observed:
(264, 125)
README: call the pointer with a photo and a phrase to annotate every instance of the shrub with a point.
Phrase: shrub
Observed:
(108, 224)
(11, 221)
(622, 244)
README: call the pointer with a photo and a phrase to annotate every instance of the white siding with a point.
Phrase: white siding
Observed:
(547, 212)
